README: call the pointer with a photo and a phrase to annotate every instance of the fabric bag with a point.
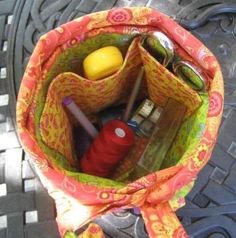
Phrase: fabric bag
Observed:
(45, 127)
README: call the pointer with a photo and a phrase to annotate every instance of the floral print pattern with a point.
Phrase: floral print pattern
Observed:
(119, 15)
(216, 104)
(77, 194)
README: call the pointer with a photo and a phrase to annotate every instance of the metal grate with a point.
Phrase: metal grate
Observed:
(26, 210)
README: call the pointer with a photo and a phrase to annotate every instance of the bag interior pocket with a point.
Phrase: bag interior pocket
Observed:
(162, 84)
(90, 96)
(56, 123)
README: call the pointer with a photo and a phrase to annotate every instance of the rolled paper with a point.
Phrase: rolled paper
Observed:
(133, 95)
(80, 116)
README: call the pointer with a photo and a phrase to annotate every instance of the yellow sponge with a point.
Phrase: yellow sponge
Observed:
(102, 62)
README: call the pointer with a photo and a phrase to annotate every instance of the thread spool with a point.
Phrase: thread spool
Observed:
(145, 117)
(108, 149)
(146, 108)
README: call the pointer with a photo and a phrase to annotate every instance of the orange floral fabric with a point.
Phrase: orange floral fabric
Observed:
(93, 231)
(90, 96)
(163, 84)
(80, 198)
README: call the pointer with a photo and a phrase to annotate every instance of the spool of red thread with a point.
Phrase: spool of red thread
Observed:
(108, 149)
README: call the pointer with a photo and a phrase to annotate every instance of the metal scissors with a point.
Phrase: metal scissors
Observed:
(163, 50)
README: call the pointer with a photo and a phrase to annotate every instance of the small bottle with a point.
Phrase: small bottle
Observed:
(161, 139)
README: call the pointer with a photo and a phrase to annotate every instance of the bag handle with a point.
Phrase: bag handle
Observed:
(93, 231)
(159, 217)
(160, 220)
